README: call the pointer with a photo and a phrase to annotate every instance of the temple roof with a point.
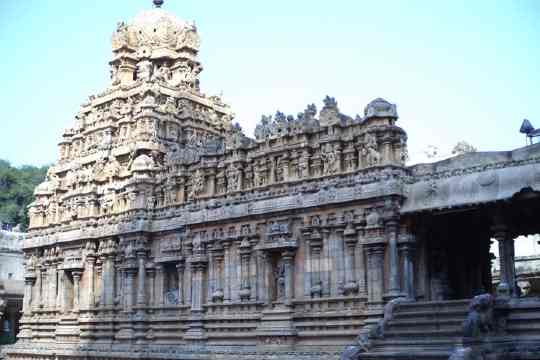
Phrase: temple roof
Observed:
(155, 29)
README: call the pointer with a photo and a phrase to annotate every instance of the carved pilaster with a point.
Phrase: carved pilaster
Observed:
(76, 290)
(351, 239)
(394, 288)
(315, 246)
(180, 269)
(288, 262)
(245, 256)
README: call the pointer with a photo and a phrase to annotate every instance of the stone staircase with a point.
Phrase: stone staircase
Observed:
(523, 323)
(421, 330)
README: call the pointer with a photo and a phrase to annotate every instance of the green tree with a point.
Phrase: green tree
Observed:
(17, 191)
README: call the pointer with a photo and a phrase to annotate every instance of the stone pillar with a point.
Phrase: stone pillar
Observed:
(141, 276)
(315, 244)
(60, 294)
(217, 294)
(325, 264)
(29, 281)
(196, 331)
(394, 288)
(151, 286)
(109, 275)
(38, 299)
(52, 287)
(262, 277)
(407, 250)
(180, 268)
(339, 257)
(375, 273)
(507, 285)
(118, 281)
(76, 290)
(89, 273)
(198, 266)
(130, 287)
(245, 255)
(351, 286)
(160, 288)
(288, 262)
(227, 271)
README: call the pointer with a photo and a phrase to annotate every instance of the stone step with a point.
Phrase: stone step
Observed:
(430, 315)
(406, 355)
(415, 333)
(426, 325)
(433, 306)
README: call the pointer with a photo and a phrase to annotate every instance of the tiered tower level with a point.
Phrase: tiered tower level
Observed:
(162, 227)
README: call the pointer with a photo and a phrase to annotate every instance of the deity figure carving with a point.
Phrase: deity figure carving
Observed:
(330, 158)
(233, 180)
(197, 184)
(371, 153)
(112, 168)
(145, 70)
(279, 276)
(127, 107)
(163, 74)
(185, 109)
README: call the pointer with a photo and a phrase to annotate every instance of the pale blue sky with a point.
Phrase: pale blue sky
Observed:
(456, 69)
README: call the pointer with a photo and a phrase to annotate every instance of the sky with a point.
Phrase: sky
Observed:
(457, 70)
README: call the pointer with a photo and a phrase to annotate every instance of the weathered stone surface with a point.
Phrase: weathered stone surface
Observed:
(165, 232)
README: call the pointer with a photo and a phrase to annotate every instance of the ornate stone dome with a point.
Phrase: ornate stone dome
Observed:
(154, 29)
(380, 108)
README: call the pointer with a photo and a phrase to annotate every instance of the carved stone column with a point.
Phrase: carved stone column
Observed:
(375, 259)
(180, 268)
(407, 250)
(109, 275)
(227, 271)
(288, 262)
(351, 239)
(52, 287)
(29, 280)
(198, 265)
(141, 276)
(507, 284)
(151, 286)
(217, 273)
(60, 294)
(37, 302)
(130, 288)
(394, 288)
(119, 281)
(315, 245)
(76, 290)
(90, 285)
(263, 272)
(245, 256)
(160, 288)
(196, 331)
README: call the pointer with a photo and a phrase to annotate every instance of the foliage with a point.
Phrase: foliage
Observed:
(463, 147)
(17, 191)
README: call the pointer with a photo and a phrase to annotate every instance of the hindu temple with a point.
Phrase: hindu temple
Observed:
(164, 232)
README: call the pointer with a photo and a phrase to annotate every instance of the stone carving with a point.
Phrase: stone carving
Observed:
(373, 156)
(331, 160)
(197, 184)
(279, 276)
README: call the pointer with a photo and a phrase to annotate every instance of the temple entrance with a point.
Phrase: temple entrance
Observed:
(454, 258)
